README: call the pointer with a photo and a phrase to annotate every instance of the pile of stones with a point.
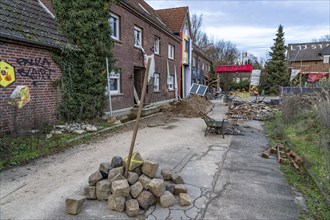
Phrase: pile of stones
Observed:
(142, 188)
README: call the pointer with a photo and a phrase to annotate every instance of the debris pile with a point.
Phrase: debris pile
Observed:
(284, 155)
(189, 107)
(142, 188)
(252, 111)
(74, 128)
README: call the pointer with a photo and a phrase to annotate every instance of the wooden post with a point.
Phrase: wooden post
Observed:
(138, 118)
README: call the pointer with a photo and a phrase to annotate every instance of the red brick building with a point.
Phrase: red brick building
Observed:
(28, 35)
(135, 24)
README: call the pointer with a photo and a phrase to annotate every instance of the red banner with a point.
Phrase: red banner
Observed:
(313, 77)
(234, 69)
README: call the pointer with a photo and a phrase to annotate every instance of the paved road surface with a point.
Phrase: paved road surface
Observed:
(226, 178)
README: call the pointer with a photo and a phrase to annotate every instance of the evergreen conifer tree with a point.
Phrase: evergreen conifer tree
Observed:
(277, 74)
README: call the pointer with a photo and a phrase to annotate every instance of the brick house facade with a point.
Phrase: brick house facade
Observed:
(129, 59)
(201, 65)
(26, 44)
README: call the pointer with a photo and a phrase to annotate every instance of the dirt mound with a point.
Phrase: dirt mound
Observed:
(189, 107)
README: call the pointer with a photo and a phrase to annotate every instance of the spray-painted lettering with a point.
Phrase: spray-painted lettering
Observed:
(35, 69)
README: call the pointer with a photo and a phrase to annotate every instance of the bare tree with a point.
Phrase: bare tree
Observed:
(196, 26)
(324, 38)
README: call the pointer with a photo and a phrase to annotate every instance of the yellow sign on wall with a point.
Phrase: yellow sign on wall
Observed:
(7, 74)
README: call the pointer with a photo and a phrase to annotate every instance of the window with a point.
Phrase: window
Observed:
(156, 45)
(202, 66)
(170, 51)
(170, 83)
(156, 82)
(114, 82)
(114, 26)
(186, 46)
(326, 59)
(137, 37)
(194, 62)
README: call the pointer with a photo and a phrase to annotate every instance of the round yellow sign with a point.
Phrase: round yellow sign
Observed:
(7, 74)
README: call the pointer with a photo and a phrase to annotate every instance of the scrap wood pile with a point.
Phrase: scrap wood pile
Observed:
(284, 155)
(252, 111)
(143, 187)
(189, 107)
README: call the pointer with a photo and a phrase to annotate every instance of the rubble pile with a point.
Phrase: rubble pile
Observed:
(74, 128)
(189, 107)
(284, 155)
(143, 187)
(252, 111)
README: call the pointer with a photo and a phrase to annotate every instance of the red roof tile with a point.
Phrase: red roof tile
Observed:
(173, 17)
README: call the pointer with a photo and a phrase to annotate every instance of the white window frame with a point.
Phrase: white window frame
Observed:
(116, 37)
(171, 51)
(156, 45)
(137, 42)
(156, 82)
(326, 59)
(170, 82)
(115, 76)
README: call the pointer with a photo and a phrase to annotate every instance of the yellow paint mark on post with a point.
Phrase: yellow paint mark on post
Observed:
(7, 74)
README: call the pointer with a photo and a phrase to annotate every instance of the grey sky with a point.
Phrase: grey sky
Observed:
(252, 25)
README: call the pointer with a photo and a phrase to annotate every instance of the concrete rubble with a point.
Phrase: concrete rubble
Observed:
(136, 193)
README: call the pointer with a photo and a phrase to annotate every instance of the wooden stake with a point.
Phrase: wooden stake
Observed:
(138, 118)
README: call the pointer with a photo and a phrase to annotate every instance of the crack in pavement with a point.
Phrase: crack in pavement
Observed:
(179, 167)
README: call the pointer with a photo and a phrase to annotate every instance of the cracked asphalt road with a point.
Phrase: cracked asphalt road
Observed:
(226, 178)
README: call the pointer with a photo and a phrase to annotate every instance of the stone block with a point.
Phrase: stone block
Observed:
(169, 186)
(136, 161)
(73, 204)
(146, 199)
(94, 178)
(104, 168)
(103, 190)
(150, 168)
(166, 174)
(176, 179)
(113, 172)
(179, 188)
(157, 187)
(120, 188)
(117, 161)
(116, 203)
(132, 208)
(184, 199)
(132, 177)
(167, 199)
(91, 128)
(118, 177)
(138, 170)
(136, 189)
(90, 192)
(145, 180)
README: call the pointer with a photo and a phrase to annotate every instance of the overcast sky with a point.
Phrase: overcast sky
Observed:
(252, 25)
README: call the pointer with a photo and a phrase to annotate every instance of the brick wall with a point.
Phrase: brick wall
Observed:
(34, 68)
(128, 57)
(311, 66)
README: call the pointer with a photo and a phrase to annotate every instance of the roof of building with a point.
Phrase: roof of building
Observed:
(326, 51)
(28, 21)
(148, 12)
(306, 51)
(200, 52)
(173, 17)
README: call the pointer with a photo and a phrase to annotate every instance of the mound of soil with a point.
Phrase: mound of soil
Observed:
(189, 107)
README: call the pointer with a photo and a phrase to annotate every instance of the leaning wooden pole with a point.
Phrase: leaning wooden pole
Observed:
(144, 88)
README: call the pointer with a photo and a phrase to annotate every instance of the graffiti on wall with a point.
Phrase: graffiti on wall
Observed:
(37, 69)
(7, 74)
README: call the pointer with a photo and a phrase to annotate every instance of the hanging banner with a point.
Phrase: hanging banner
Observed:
(20, 96)
(234, 69)
(255, 77)
(294, 73)
(313, 77)
(152, 66)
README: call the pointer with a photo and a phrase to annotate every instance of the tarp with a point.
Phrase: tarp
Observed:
(234, 69)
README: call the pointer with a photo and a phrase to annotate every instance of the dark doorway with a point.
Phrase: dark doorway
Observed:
(138, 83)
